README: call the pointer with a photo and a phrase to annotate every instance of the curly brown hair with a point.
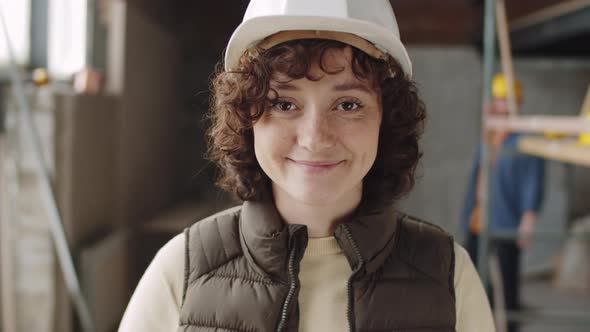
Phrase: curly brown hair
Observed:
(235, 94)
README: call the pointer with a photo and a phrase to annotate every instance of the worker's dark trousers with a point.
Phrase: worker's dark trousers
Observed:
(509, 256)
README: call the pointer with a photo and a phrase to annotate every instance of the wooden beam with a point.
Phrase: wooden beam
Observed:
(559, 29)
(570, 125)
(568, 151)
(506, 55)
(549, 13)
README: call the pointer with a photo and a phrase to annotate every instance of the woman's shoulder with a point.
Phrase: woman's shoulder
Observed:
(463, 263)
(426, 246)
(218, 229)
(231, 214)
(170, 259)
(424, 229)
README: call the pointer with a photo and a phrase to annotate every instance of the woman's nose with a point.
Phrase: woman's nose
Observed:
(316, 132)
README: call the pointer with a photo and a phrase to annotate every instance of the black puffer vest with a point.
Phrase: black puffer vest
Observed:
(242, 270)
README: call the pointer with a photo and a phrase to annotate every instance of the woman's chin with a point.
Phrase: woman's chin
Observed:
(314, 196)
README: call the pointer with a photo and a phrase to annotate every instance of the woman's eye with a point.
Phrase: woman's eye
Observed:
(284, 106)
(349, 106)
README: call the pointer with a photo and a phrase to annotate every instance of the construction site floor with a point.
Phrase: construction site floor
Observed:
(540, 294)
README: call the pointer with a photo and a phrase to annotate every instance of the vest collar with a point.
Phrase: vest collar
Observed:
(264, 238)
(367, 240)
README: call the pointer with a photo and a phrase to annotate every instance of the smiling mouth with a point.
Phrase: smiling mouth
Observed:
(316, 166)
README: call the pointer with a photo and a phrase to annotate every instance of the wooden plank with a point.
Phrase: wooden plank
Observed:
(570, 125)
(549, 13)
(560, 150)
(506, 55)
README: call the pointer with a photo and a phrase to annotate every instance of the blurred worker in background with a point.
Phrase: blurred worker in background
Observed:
(517, 185)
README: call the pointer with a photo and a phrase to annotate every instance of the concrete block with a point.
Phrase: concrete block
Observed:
(86, 131)
(103, 270)
(574, 268)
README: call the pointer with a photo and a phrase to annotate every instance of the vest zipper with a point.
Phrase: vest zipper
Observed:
(292, 287)
(358, 267)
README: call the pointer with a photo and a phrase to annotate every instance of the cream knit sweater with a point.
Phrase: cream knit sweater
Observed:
(155, 305)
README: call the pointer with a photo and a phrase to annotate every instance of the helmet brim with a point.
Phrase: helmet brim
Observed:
(256, 29)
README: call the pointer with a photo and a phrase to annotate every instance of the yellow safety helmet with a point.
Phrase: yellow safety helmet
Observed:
(40, 76)
(499, 87)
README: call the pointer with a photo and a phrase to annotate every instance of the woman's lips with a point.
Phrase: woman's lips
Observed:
(316, 166)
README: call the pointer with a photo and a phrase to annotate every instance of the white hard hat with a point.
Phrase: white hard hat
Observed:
(372, 20)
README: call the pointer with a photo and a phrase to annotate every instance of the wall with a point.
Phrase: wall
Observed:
(449, 82)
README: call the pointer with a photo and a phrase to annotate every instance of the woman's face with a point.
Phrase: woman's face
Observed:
(319, 138)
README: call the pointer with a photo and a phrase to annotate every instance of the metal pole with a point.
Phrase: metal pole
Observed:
(47, 196)
(485, 162)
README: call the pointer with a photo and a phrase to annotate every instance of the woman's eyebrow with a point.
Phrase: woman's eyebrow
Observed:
(285, 86)
(347, 86)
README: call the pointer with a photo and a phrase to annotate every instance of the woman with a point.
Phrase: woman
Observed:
(316, 131)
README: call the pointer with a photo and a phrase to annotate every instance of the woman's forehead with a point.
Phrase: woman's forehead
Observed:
(334, 65)
(330, 82)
